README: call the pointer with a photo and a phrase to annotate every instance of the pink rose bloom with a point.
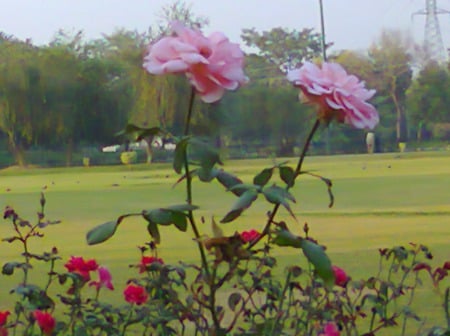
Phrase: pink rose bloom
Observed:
(104, 279)
(339, 95)
(249, 236)
(212, 64)
(340, 277)
(330, 329)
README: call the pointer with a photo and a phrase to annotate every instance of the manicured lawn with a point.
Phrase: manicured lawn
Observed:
(381, 201)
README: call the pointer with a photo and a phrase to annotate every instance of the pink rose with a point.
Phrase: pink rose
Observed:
(330, 329)
(339, 95)
(212, 64)
(340, 277)
(104, 279)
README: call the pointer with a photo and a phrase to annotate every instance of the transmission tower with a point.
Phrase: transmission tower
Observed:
(433, 44)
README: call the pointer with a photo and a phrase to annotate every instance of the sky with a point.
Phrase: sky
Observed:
(349, 24)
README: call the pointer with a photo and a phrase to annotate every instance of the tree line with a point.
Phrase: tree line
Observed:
(71, 92)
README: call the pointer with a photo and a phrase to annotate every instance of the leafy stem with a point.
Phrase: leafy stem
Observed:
(296, 173)
(189, 186)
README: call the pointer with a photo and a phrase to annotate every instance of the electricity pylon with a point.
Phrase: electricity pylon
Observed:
(433, 44)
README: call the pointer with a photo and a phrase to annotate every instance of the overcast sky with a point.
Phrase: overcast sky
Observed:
(350, 24)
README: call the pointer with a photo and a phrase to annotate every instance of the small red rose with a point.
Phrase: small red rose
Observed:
(45, 321)
(340, 277)
(148, 260)
(135, 294)
(3, 317)
(249, 236)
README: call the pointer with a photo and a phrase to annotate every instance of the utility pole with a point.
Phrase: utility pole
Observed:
(324, 58)
(322, 31)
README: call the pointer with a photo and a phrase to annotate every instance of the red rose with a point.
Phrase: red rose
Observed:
(148, 260)
(82, 267)
(249, 236)
(135, 294)
(45, 321)
(340, 277)
(3, 317)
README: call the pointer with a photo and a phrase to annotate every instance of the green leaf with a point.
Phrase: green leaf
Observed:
(206, 174)
(287, 175)
(286, 238)
(152, 228)
(179, 220)
(263, 177)
(180, 155)
(278, 195)
(37, 298)
(244, 187)
(322, 264)
(182, 207)
(233, 300)
(81, 331)
(232, 215)
(101, 233)
(158, 216)
(205, 153)
(229, 181)
(243, 202)
(8, 268)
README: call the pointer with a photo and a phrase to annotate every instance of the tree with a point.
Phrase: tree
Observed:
(20, 94)
(428, 98)
(392, 58)
(287, 49)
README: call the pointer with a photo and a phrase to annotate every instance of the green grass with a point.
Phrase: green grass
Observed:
(381, 201)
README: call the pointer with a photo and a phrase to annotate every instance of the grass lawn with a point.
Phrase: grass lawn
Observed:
(381, 200)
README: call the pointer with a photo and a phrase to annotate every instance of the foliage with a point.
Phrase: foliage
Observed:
(286, 49)
(175, 299)
(428, 98)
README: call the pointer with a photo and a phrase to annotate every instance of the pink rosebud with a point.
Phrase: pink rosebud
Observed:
(135, 294)
(104, 279)
(45, 321)
(339, 95)
(212, 64)
(249, 236)
(340, 277)
(330, 329)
